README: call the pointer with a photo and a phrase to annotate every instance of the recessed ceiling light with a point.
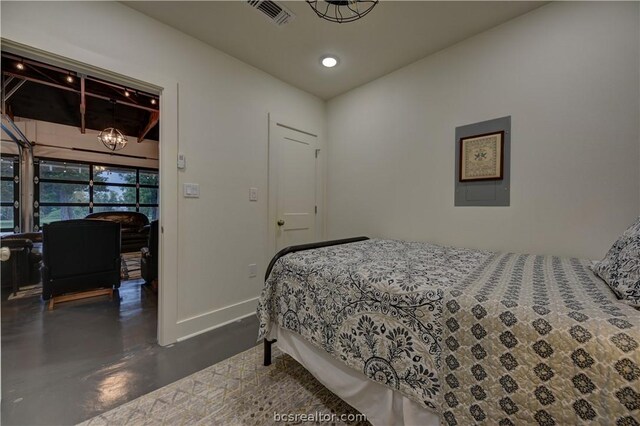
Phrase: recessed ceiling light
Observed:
(329, 61)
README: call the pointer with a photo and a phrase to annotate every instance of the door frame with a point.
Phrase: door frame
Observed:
(272, 192)
(167, 88)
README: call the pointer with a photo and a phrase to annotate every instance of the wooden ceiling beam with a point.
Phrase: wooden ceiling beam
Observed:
(154, 117)
(70, 89)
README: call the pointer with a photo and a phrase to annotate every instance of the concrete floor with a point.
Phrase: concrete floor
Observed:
(86, 357)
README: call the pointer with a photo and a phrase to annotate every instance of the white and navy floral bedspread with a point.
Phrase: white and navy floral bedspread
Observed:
(480, 337)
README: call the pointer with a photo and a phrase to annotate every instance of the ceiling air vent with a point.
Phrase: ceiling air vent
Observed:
(277, 14)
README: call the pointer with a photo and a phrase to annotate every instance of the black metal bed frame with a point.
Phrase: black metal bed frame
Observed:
(292, 249)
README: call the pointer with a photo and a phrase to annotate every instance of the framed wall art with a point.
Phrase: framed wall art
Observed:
(482, 157)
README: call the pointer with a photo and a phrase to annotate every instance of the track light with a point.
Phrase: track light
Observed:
(153, 101)
(126, 93)
(20, 66)
(69, 78)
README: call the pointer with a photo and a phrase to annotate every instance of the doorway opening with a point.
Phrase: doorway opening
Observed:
(78, 214)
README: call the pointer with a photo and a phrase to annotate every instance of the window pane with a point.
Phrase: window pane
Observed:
(149, 178)
(64, 171)
(150, 212)
(148, 196)
(50, 214)
(114, 194)
(101, 209)
(7, 167)
(110, 174)
(6, 217)
(64, 193)
(7, 191)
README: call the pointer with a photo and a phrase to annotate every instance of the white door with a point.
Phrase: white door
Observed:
(292, 163)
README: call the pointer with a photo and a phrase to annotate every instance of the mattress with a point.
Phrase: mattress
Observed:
(473, 335)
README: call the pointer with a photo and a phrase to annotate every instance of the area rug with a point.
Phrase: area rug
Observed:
(236, 391)
(27, 291)
(130, 267)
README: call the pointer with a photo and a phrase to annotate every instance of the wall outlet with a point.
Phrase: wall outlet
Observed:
(253, 270)
(253, 194)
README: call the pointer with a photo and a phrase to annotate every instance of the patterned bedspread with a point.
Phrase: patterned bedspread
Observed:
(480, 337)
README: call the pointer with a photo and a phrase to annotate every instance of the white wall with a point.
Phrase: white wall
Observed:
(567, 73)
(216, 107)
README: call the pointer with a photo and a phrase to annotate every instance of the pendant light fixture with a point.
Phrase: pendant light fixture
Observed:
(111, 137)
(342, 10)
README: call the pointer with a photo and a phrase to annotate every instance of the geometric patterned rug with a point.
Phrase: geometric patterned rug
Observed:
(236, 391)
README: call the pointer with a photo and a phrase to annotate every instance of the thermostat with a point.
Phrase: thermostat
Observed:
(182, 161)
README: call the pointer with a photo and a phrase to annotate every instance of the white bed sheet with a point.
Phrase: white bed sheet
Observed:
(382, 406)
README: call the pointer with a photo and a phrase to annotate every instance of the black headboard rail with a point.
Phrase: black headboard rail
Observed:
(309, 246)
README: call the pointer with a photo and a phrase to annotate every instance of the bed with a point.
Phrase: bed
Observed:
(416, 333)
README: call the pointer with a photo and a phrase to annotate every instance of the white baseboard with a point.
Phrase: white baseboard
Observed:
(208, 321)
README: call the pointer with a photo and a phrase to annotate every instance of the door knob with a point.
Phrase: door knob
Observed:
(280, 222)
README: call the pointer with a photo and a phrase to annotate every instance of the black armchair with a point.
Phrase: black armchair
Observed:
(149, 262)
(80, 255)
(23, 268)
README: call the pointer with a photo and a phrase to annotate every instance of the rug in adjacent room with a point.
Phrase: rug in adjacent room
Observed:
(236, 391)
(27, 291)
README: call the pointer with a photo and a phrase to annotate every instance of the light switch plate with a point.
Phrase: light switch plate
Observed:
(182, 161)
(191, 190)
(253, 194)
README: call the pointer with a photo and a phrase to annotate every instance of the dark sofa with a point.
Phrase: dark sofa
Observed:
(80, 255)
(133, 227)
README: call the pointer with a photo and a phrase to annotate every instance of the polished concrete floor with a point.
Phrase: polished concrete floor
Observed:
(86, 357)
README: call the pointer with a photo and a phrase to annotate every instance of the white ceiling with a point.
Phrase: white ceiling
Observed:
(394, 34)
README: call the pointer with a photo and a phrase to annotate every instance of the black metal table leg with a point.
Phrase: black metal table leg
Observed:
(14, 271)
(267, 351)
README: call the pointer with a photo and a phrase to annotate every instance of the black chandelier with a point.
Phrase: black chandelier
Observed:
(342, 10)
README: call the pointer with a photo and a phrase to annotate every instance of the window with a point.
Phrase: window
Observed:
(70, 190)
(9, 194)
